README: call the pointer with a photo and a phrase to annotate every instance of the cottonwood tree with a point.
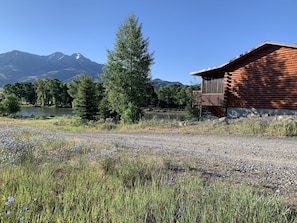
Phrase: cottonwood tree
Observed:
(51, 91)
(41, 91)
(25, 91)
(127, 71)
(55, 87)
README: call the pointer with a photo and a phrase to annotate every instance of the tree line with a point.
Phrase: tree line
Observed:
(53, 92)
(124, 89)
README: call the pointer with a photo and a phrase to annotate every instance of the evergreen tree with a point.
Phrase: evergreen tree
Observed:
(126, 76)
(85, 103)
(73, 85)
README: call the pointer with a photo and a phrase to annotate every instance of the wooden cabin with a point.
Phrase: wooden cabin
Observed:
(260, 81)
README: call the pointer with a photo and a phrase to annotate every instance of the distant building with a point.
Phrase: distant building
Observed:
(262, 80)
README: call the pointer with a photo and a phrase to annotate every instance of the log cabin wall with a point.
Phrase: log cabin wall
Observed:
(265, 78)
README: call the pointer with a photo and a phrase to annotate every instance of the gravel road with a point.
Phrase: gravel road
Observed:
(266, 162)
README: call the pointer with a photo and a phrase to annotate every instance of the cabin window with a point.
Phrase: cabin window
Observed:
(213, 84)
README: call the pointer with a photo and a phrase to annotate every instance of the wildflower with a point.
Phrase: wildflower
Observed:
(181, 210)
(35, 199)
(10, 199)
(76, 147)
(22, 218)
(105, 152)
(8, 212)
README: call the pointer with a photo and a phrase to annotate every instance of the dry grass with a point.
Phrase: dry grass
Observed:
(252, 125)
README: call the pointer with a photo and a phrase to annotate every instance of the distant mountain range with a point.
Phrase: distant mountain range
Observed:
(17, 66)
(159, 83)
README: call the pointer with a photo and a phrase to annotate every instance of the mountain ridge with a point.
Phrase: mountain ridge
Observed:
(19, 66)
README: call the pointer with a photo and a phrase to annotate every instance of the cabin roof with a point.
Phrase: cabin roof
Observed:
(223, 67)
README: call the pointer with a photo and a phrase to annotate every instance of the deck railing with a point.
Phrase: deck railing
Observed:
(208, 99)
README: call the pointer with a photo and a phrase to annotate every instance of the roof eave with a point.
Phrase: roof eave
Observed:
(208, 71)
(220, 69)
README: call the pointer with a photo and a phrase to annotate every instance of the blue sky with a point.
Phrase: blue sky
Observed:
(185, 35)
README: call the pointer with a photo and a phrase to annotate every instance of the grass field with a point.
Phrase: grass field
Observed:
(44, 178)
(252, 125)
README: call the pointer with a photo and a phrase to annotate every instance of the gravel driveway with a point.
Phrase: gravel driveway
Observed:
(268, 163)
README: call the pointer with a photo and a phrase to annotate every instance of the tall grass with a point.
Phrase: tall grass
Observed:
(46, 179)
(251, 125)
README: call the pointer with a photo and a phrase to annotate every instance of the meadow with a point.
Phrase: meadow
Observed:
(45, 178)
(278, 126)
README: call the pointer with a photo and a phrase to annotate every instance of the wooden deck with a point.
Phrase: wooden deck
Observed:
(208, 99)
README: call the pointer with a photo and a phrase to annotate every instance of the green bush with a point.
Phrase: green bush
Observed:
(10, 105)
(131, 114)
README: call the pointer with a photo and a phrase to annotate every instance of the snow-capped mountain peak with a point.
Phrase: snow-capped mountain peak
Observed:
(78, 56)
(56, 56)
(17, 66)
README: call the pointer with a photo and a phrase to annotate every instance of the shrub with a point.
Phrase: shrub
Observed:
(287, 126)
(131, 114)
(10, 105)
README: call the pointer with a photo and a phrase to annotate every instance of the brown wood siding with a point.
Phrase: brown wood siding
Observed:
(265, 79)
(212, 99)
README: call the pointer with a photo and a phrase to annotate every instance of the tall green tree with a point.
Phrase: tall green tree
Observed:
(167, 95)
(65, 98)
(52, 91)
(73, 85)
(41, 91)
(29, 93)
(126, 76)
(55, 89)
(85, 103)
(25, 91)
